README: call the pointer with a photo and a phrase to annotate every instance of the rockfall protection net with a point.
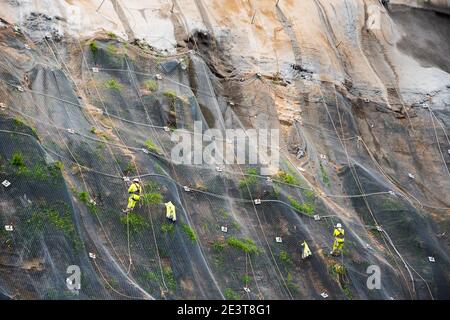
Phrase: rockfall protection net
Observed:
(114, 126)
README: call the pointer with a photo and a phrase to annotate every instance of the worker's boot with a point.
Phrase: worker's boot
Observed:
(335, 253)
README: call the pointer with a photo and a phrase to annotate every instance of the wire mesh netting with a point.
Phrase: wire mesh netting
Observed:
(74, 133)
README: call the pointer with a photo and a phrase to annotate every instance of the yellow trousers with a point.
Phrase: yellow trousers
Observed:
(132, 200)
(338, 244)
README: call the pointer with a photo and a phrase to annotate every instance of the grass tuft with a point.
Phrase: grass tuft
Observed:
(135, 221)
(152, 198)
(231, 295)
(249, 180)
(151, 146)
(59, 219)
(167, 227)
(287, 178)
(171, 95)
(17, 160)
(113, 85)
(151, 85)
(112, 35)
(111, 49)
(152, 186)
(324, 175)
(218, 246)
(284, 257)
(246, 279)
(83, 196)
(306, 208)
(58, 165)
(170, 279)
(189, 232)
(246, 245)
(93, 47)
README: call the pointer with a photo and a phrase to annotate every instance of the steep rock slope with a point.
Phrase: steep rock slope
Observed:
(369, 107)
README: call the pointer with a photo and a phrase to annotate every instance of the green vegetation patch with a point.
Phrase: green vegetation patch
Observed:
(59, 219)
(287, 178)
(39, 172)
(246, 245)
(218, 246)
(306, 208)
(169, 278)
(231, 295)
(151, 146)
(171, 95)
(246, 279)
(93, 47)
(167, 273)
(347, 292)
(152, 186)
(135, 221)
(284, 257)
(17, 160)
(58, 165)
(113, 85)
(152, 276)
(189, 232)
(151, 85)
(21, 124)
(111, 49)
(167, 227)
(324, 175)
(249, 180)
(290, 283)
(337, 269)
(83, 196)
(236, 225)
(310, 195)
(130, 168)
(152, 198)
(391, 205)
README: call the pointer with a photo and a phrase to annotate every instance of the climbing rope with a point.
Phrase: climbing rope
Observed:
(68, 73)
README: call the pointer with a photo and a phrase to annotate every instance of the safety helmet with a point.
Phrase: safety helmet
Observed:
(338, 225)
(136, 180)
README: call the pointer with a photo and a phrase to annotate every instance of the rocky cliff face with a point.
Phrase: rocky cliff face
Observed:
(91, 91)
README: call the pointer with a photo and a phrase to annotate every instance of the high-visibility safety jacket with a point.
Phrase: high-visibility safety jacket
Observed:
(170, 211)
(338, 234)
(306, 251)
(135, 188)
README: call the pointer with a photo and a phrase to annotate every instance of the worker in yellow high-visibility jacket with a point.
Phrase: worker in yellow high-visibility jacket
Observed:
(338, 244)
(306, 251)
(135, 191)
(170, 211)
